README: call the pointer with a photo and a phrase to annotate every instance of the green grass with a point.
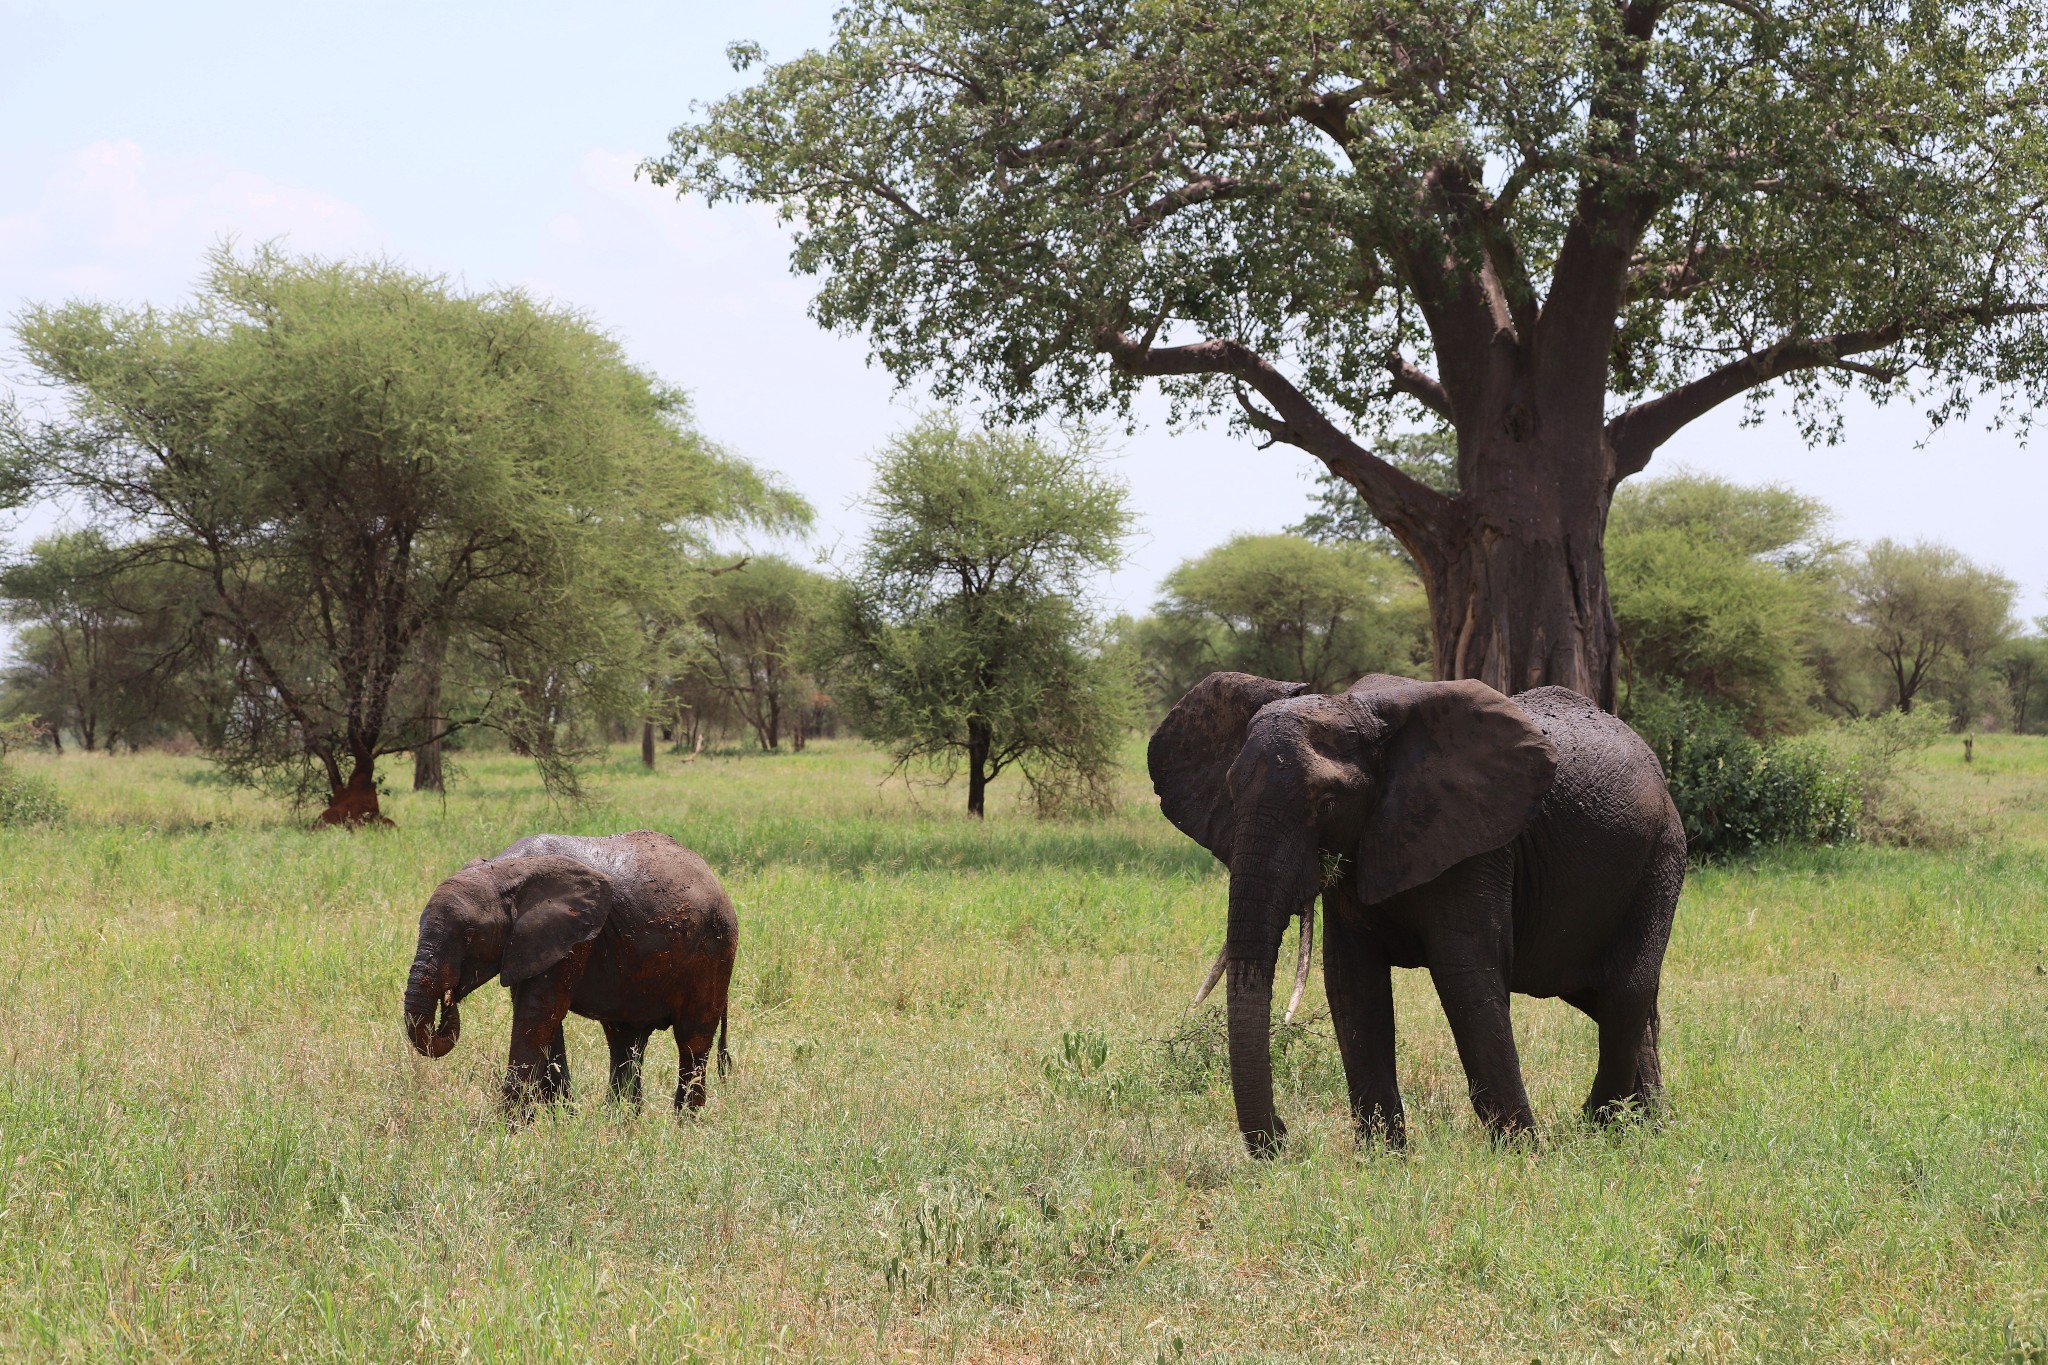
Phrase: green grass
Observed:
(971, 1118)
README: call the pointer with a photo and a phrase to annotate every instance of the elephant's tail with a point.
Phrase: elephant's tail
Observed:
(724, 1057)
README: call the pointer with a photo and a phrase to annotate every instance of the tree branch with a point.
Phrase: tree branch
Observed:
(1200, 190)
(1419, 385)
(1636, 434)
(1423, 519)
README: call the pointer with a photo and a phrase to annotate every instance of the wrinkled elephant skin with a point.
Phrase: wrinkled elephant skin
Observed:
(633, 930)
(1523, 844)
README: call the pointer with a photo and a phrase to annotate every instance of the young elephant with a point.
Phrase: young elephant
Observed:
(632, 930)
(1523, 844)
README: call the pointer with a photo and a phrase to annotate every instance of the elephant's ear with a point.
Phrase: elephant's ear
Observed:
(1462, 771)
(556, 903)
(1193, 748)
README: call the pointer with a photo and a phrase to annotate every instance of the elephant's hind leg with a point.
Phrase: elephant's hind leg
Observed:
(1630, 1070)
(696, 1046)
(628, 1044)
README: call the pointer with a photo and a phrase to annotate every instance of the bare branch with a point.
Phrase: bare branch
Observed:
(1423, 519)
(1636, 434)
(1420, 385)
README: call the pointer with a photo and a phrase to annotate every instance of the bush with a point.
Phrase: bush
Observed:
(1737, 794)
(1895, 811)
(26, 800)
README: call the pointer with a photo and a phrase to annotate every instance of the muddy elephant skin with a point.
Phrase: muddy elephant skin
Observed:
(1523, 844)
(633, 930)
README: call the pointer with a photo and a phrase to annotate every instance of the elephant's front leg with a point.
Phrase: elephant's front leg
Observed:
(538, 1067)
(1475, 1000)
(554, 1069)
(1359, 982)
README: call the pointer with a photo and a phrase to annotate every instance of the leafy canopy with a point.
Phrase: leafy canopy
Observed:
(1285, 607)
(994, 191)
(343, 462)
(962, 632)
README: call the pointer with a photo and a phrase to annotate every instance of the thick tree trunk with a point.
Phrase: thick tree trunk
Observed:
(353, 804)
(647, 745)
(1518, 585)
(426, 763)
(978, 744)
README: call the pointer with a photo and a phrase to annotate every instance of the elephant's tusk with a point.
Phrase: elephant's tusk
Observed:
(1308, 943)
(1215, 975)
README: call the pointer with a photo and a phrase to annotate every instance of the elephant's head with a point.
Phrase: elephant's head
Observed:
(1401, 779)
(511, 918)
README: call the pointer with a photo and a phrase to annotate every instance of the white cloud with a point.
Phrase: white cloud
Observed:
(112, 220)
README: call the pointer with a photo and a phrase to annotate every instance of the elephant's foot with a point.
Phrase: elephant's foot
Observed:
(1381, 1131)
(1264, 1145)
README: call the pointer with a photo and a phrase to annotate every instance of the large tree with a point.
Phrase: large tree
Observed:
(348, 467)
(1930, 616)
(1566, 228)
(1725, 591)
(100, 648)
(753, 624)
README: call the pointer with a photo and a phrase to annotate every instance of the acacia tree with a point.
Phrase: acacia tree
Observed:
(342, 463)
(960, 634)
(1284, 607)
(1930, 614)
(753, 621)
(99, 645)
(1567, 229)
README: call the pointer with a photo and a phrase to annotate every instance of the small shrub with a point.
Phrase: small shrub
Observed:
(1896, 812)
(1736, 793)
(27, 800)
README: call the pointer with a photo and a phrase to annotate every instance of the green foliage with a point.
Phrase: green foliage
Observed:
(103, 648)
(1735, 793)
(25, 799)
(960, 635)
(1283, 607)
(353, 473)
(755, 625)
(1895, 810)
(2022, 668)
(1934, 618)
(996, 192)
(1722, 588)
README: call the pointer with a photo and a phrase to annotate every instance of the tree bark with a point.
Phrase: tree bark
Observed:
(427, 775)
(353, 804)
(978, 744)
(647, 745)
(1518, 592)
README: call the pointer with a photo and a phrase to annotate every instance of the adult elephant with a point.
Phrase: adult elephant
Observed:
(1525, 844)
(633, 930)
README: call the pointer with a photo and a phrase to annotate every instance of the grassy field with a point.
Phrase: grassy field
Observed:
(971, 1118)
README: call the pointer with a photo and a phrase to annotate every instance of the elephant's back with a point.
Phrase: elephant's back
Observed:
(1604, 769)
(660, 889)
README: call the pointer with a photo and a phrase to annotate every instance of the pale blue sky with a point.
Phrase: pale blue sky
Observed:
(495, 142)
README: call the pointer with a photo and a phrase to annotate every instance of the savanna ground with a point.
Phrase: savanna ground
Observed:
(971, 1117)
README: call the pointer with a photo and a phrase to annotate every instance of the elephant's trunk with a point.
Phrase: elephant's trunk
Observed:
(1272, 873)
(432, 985)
